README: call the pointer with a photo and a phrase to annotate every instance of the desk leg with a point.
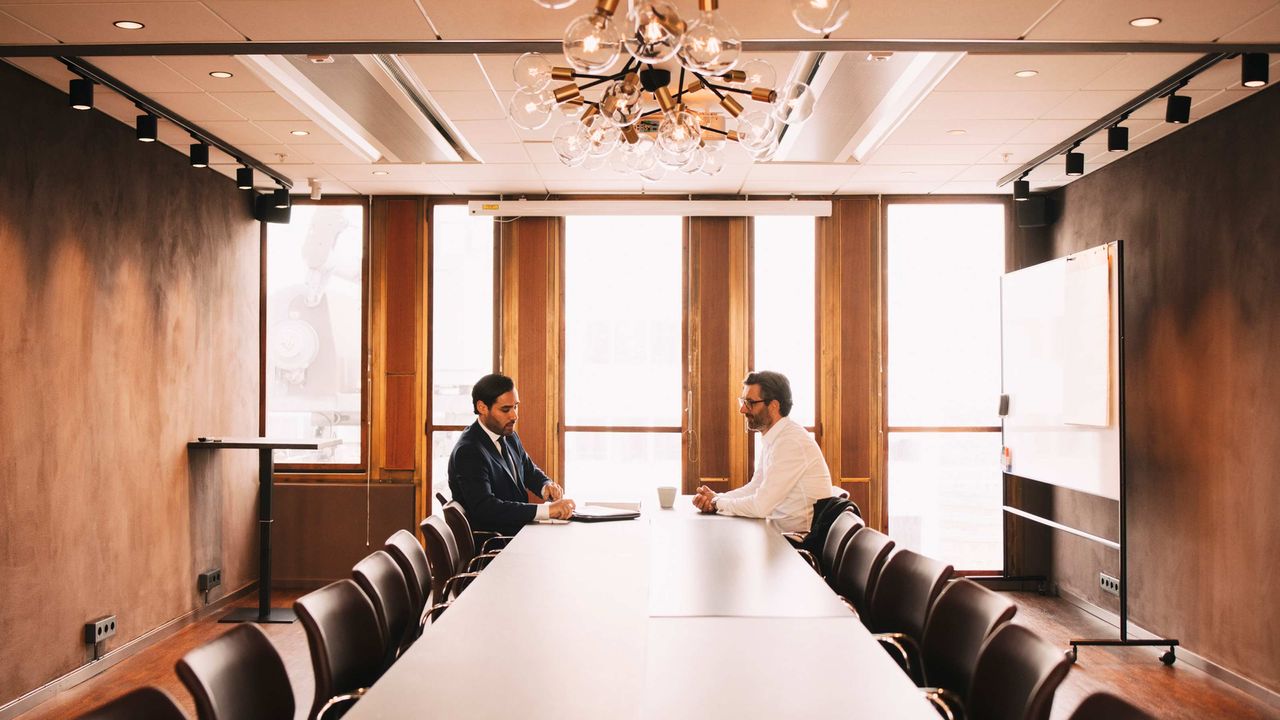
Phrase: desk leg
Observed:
(264, 612)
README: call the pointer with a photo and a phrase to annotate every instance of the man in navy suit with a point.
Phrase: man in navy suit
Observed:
(489, 470)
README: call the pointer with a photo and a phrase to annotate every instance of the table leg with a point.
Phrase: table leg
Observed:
(264, 613)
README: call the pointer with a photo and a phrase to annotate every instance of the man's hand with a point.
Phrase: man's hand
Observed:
(705, 499)
(552, 491)
(561, 509)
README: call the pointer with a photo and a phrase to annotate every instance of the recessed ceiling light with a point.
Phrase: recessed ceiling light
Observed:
(381, 172)
(1145, 22)
(908, 172)
(1026, 73)
(299, 133)
(220, 74)
(957, 133)
(128, 24)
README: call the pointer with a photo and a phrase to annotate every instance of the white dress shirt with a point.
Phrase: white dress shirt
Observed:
(792, 476)
(543, 511)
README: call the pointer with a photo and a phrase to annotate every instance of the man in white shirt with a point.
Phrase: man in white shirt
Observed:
(792, 475)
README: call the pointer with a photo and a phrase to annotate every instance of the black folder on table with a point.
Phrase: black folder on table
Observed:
(597, 513)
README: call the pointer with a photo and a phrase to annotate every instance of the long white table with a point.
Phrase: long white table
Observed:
(674, 615)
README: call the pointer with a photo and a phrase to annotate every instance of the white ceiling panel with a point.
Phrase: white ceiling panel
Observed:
(481, 172)
(502, 153)
(617, 187)
(395, 173)
(482, 105)
(827, 176)
(752, 20)
(260, 105)
(46, 69)
(92, 22)
(487, 131)
(272, 154)
(240, 132)
(990, 105)
(1009, 153)
(498, 70)
(330, 20)
(196, 68)
(957, 187)
(858, 187)
(1263, 28)
(1155, 110)
(328, 154)
(928, 19)
(197, 107)
(907, 173)
(451, 73)
(408, 187)
(501, 19)
(1048, 132)
(145, 74)
(995, 73)
(927, 154)
(1139, 72)
(15, 32)
(281, 131)
(1182, 20)
(923, 129)
(496, 187)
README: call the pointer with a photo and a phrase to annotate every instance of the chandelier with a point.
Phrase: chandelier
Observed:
(633, 120)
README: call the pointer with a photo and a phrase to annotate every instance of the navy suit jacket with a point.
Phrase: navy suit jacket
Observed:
(482, 482)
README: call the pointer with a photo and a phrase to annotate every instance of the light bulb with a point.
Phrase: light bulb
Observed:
(531, 110)
(532, 71)
(601, 135)
(759, 73)
(656, 31)
(554, 4)
(570, 144)
(766, 151)
(711, 45)
(820, 16)
(670, 159)
(755, 129)
(621, 102)
(642, 154)
(618, 159)
(592, 43)
(595, 162)
(713, 158)
(694, 163)
(679, 132)
(654, 173)
(795, 104)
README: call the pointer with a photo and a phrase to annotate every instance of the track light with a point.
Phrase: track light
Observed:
(316, 189)
(1021, 189)
(1178, 110)
(199, 155)
(1117, 138)
(1075, 163)
(80, 96)
(1253, 70)
(145, 128)
(280, 198)
(244, 178)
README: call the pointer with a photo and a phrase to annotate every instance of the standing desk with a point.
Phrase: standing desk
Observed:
(674, 615)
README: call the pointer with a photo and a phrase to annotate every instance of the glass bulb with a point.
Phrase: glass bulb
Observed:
(570, 143)
(601, 135)
(531, 110)
(656, 31)
(654, 173)
(669, 159)
(713, 158)
(694, 163)
(755, 129)
(679, 132)
(820, 16)
(794, 104)
(621, 103)
(554, 4)
(765, 152)
(595, 162)
(711, 45)
(759, 73)
(642, 154)
(572, 109)
(592, 43)
(532, 71)
(618, 159)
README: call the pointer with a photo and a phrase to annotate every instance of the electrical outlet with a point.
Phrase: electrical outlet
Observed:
(95, 631)
(209, 580)
(1109, 584)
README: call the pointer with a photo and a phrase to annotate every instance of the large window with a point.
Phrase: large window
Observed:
(315, 329)
(784, 281)
(622, 355)
(462, 315)
(944, 481)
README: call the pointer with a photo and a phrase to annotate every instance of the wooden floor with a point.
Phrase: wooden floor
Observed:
(1174, 692)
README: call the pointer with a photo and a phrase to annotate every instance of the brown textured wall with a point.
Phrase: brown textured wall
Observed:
(322, 529)
(128, 325)
(1201, 226)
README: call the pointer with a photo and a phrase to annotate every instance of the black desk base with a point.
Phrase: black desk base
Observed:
(274, 615)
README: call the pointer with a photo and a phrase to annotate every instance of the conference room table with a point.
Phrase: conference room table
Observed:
(673, 615)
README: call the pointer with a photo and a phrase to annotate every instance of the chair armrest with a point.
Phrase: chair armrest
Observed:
(483, 561)
(947, 703)
(461, 579)
(795, 538)
(350, 697)
(498, 541)
(849, 605)
(809, 558)
(904, 650)
(431, 614)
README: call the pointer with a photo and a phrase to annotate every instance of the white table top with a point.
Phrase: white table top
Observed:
(620, 621)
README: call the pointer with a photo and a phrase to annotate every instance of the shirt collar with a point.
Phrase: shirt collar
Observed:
(493, 436)
(776, 431)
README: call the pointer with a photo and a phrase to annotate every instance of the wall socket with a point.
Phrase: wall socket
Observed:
(1108, 584)
(95, 631)
(209, 579)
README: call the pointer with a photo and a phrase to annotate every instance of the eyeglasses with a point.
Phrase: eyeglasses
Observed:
(748, 402)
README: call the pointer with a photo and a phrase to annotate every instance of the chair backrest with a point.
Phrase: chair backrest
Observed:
(904, 593)
(859, 566)
(347, 649)
(456, 518)
(442, 553)
(1103, 706)
(838, 535)
(404, 548)
(382, 580)
(963, 616)
(1017, 674)
(237, 676)
(145, 702)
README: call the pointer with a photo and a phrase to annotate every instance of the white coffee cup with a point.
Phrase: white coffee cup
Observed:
(667, 496)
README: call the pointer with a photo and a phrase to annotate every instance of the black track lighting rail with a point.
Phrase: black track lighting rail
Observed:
(1170, 85)
(90, 71)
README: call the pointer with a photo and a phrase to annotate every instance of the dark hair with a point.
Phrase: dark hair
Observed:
(773, 386)
(488, 388)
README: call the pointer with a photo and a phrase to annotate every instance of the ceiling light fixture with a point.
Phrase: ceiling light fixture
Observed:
(957, 132)
(280, 198)
(643, 124)
(1145, 22)
(244, 178)
(221, 74)
(1026, 73)
(1254, 72)
(1118, 138)
(1178, 109)
(1075, 162)
(1021, 189)
(381, 172)
(145, 128)
(80, 94)
(199, 155)
(128, 24)
(299, 133)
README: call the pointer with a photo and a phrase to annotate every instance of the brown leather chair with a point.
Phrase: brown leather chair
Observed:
(1103, 706)
(838, 536)
(963, 617)
(859, 566)
(147, 703)
(899, 608)
(470, 557)
(403, 547)
(382, 580)
(1016, 676)
(237, 676)
(442, 555)
(347, 647)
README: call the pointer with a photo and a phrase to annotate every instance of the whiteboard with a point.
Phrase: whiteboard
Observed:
(1060, 369)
